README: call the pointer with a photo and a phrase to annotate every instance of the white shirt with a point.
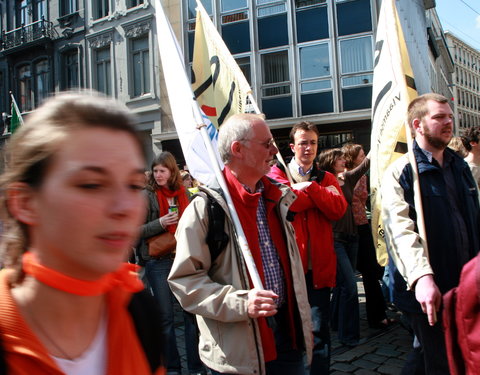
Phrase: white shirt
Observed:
(93, 361)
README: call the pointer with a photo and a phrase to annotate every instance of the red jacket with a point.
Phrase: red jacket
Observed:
(461, 321)
(316, 208)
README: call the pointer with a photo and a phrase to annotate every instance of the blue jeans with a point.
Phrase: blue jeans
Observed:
(157, 271)
(319, 300)
(345, 307)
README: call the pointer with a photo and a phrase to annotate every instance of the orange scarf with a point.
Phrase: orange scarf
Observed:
(125, 277)
(25, 354)
(182, 200)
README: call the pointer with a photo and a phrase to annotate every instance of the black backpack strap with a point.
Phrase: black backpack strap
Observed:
(3, 362)
(217, 239)
(144, 311)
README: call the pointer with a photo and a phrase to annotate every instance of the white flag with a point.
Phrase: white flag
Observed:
(181, 100)
(393, 90)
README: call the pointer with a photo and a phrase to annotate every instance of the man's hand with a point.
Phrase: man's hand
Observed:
(429, 297)
(261, 303)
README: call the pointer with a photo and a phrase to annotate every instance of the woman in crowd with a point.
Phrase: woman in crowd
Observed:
(366, 260)
(344, 305)
(165, 191)
(72, 204)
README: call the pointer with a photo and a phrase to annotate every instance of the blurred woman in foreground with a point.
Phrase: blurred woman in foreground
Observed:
(72, 204)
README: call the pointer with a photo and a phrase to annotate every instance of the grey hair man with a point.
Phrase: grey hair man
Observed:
(235, 336)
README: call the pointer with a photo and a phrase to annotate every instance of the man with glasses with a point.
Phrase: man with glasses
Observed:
(320, 202)
(235, 335)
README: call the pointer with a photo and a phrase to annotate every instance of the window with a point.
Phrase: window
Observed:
(354, 17)
(192, 6)
(357, 72)
(315, 79)
(134, 3)
(229, 5)
(23, 13)
(70, 70)
(42, 81)
(101, 8)
(68, 7)
(306, 17)
(102, 70)
(140, 66)
(245, 67)
(272, 26)
(235, 31)
(276, 90)
(25, 92)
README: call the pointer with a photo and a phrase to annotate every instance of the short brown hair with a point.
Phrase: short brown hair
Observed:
(327, 158)
(351, 151)
(418, 106)
(303, 125)
(470, 135)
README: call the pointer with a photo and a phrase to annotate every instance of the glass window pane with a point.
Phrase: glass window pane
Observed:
(321, 102)
(41, 81)
(244, 64)
(270, 11)
(272, 31)
(354, 17)
(314, 61)
(25, 88)
(306, 3)
(139, 44)
(364, 79)
(275, 67)
(277, 90)
(277, 107)
(192, 6)
(316, 86)
(237, 37)
(357, 98)
(356, 55)
(312, 24)
(229, 5)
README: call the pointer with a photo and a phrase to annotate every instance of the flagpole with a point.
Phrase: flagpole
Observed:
(417, 196)
(169, 51)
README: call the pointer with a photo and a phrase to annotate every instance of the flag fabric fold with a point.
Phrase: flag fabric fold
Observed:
(182, 102)
(393, 89)
(219, 85)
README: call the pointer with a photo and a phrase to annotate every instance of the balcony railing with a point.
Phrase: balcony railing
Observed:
(38, 30)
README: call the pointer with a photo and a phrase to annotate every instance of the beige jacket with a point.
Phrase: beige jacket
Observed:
(217, 293)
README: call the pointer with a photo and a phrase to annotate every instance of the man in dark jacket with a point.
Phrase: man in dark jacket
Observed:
(451, 214)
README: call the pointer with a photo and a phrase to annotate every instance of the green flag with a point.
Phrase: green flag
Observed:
(16, 119)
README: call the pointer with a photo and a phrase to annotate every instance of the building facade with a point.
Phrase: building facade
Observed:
(466, 82)
(304, 59)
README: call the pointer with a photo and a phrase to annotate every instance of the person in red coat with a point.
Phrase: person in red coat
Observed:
(319, 202)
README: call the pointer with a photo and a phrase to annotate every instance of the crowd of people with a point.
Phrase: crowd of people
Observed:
(76, 198)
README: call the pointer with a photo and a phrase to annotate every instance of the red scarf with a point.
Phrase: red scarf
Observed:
(246, 206)
(181, 199)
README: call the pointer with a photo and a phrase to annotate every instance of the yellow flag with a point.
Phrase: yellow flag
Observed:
(218, 83)
(393, 89)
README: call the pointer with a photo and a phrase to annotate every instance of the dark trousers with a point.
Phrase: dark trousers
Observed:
(371, 272)
(432, 344)
(319, 300)
(289, 360)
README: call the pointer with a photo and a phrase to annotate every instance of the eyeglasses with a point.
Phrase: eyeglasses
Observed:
(268, 144)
